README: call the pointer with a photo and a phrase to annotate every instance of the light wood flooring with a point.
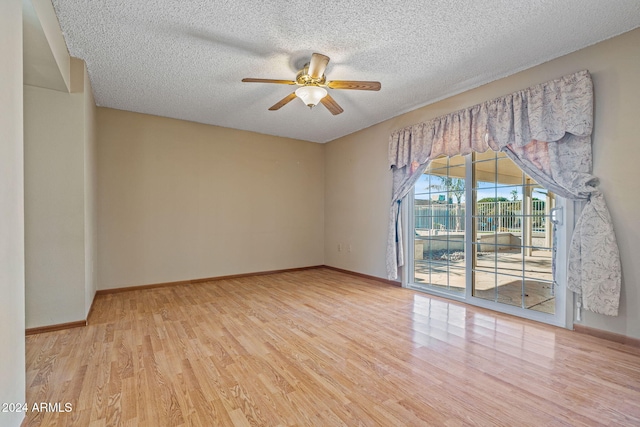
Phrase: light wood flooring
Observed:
(320, 347)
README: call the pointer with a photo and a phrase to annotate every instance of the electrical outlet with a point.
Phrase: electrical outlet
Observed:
(339, 247)
(349, 247)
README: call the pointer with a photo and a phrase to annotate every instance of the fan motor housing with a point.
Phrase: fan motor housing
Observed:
(304, 79)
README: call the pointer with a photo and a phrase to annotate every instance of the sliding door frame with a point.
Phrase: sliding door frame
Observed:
(564, 300)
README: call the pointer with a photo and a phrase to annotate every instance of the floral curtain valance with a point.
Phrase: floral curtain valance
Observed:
(544, 112)
(546, 130)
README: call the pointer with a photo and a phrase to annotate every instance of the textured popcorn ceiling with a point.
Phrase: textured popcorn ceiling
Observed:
(185, 59)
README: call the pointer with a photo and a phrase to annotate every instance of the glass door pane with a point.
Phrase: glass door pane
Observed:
(512, 235)
(439, 226)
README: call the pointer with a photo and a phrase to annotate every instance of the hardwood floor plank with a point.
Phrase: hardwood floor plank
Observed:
(320, 347)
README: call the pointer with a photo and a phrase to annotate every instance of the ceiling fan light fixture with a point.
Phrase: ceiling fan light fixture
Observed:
(311, 95)
(313, 82)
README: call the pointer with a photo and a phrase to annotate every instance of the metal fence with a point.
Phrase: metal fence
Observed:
(436, 216)
(490, 216)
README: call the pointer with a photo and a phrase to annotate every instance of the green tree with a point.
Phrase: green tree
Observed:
(493, 199)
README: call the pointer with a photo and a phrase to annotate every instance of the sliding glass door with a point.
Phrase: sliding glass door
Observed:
(482, 232)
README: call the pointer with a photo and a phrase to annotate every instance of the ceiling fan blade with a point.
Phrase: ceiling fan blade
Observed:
(281, 82)
(317, 65)
(331, 105)
(354, 84)
(284, 101)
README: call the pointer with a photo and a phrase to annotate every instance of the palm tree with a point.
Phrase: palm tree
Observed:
(453, 186)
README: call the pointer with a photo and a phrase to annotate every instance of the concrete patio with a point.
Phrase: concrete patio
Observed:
(504, 287)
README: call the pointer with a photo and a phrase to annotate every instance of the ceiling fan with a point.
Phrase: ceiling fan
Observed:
(313, 82)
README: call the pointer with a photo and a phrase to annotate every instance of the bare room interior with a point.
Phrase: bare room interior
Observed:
(339, 213)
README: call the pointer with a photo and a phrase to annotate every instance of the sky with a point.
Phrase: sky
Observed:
(484, 189)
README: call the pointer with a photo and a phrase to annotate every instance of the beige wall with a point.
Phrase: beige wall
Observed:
(180, 200)
(59, 200)
(357, 196)
(46, 60)
(12, 356)
(90, 161)
(57, 47)
(358, 180)
(54, 209)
